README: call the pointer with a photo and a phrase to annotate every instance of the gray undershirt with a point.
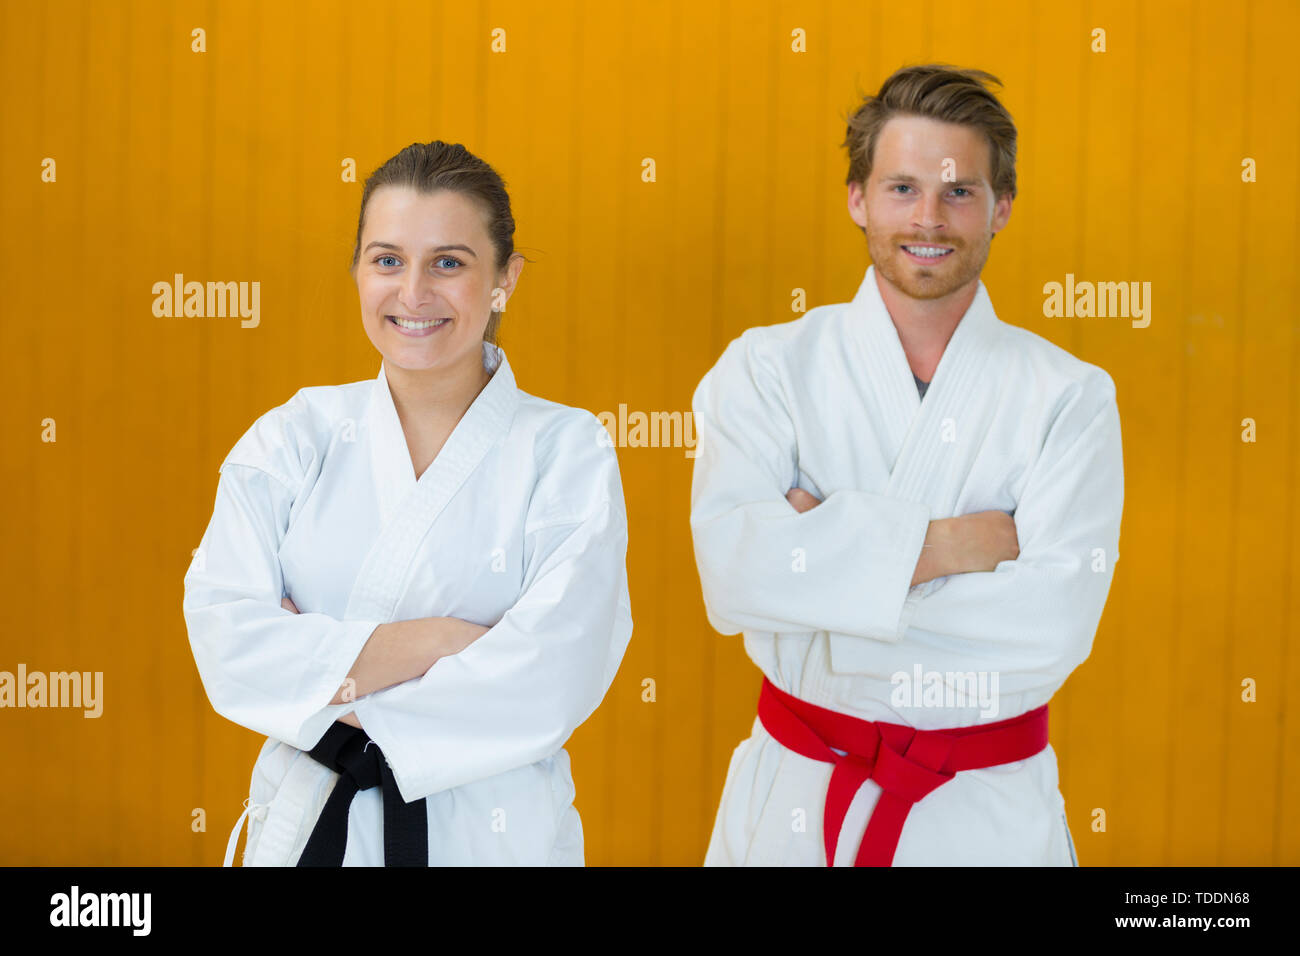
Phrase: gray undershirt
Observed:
(920, 385)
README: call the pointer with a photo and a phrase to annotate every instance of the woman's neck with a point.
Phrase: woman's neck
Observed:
(436, 398)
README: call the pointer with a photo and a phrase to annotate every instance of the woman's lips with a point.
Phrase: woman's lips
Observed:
(418, 333)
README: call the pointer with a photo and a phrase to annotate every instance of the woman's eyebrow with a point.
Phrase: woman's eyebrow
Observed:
(397, 248)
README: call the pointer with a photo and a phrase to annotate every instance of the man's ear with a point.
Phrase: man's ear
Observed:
(1002, 212)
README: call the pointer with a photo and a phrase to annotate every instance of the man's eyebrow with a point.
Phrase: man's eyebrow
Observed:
(396, 248)
(905, 178)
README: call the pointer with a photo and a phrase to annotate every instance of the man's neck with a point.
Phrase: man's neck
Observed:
(924, 326)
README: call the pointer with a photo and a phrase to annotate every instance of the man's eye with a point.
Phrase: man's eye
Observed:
(962, 189)
(902, 186)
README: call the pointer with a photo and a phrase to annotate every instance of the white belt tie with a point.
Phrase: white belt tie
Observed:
(258, 810)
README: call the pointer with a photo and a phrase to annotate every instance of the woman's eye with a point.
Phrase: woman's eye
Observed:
(441, 261)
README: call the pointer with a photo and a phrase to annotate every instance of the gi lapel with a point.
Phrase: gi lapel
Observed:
(893, 398)
(390, 459)
(408, 507)
(935, 440)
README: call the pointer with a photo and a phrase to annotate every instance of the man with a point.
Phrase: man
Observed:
(912, 511)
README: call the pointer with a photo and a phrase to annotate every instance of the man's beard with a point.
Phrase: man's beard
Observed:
(957, 269)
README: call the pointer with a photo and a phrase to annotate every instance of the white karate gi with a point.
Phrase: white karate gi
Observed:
(518, 524)
(828, 403)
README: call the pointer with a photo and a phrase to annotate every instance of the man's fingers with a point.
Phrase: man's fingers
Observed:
(801, 500)
(288, 605)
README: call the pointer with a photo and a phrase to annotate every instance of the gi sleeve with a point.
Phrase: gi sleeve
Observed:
(263, 667)
(1039, 613)
(515, 695)
(843, 566)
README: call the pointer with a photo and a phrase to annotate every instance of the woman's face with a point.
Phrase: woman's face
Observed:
(426, 278)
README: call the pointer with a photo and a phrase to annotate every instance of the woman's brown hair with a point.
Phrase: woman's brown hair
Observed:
(941, 92)
(430, 167)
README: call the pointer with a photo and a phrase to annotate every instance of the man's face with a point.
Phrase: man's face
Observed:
(907, 203)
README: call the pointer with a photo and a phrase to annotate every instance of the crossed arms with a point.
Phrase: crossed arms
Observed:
(1028, 587)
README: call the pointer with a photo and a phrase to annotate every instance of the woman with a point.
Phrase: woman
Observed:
(415, 585)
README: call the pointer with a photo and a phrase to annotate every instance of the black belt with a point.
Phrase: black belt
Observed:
(350, 752)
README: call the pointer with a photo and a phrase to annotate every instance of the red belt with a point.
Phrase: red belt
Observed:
(907, 763)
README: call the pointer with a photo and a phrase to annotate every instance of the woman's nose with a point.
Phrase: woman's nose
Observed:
(414, 291)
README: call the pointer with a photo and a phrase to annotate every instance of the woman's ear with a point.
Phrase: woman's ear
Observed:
(513, 267)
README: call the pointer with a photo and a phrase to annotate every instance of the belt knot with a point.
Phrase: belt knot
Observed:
(907, 764)
(348, 752)
(912, 772)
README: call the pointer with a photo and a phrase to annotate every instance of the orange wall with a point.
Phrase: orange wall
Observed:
(225, 166)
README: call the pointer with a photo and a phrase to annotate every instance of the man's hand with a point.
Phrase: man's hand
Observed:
(288, 605)
(974, 542)
(801, 500)
(983, 540)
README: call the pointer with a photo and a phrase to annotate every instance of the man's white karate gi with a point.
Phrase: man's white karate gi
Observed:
(828, 404)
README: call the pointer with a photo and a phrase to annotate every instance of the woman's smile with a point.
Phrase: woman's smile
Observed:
(417, 328)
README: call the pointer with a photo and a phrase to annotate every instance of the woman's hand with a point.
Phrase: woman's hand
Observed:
(405, 650)
(451, 634)
(454, 635)
(350, 718)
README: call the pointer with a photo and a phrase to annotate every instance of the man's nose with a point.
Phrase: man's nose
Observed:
(929, 212)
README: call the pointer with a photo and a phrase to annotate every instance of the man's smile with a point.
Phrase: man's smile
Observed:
(922, 252)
